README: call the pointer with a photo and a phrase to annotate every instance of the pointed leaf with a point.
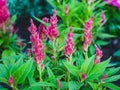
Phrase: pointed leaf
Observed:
(72, 69)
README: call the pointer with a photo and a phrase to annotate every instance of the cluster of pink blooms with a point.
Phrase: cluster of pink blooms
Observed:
(102, 16)
(36, 44)
(87, 34)
(52, 31)
(4, 13)
(98, 55)
(69, 47)
(115, 3)
(42, 29)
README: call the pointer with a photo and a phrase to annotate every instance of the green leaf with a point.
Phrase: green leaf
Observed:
(98, 70)
(73, 85)
(22, 72)
(112, 71)
(41, 21)
(18, 63)
(3, 71)
(102, 43)
(3, 88)
(13, 18)
(41, 84)
(64, 85)
(88, 64)
(93, 85)
(111, 86)
(1, 41)
(51, 75)
(105, 36)
(8, 53)
(4, 80)
(117, 53)
(112, 78)
(72, 69)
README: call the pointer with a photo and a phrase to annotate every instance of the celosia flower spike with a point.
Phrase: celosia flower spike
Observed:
(36, 44)
(42, 29)
(53, 19)
(4, 13)
(52, 31)
(98, 55)
(69, 47)
(87, 34)
(32, 27)
(38, 50)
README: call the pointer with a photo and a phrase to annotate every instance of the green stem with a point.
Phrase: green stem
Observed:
(54, 52)
(86, 53)
(14, 87)
(68, 77)
(40, 72)
(70, 59)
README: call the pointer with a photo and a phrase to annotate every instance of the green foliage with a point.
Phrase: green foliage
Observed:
(77, 71)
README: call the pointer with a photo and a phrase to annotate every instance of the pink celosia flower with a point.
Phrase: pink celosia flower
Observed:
(66, 9)
(87, 34)
(4, 13)
(42, 29)
(103, 77)
(52, 31)
(83, 76)
(102, 16)
(2, 2)
(36, 44)
(38, 50)
(10, 81)
(98, 55)
(69, 47)
(53, 19)
(32, 27)
(59, 84)
(115, 3)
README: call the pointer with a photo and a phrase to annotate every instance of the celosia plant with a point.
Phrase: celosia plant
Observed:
(9, 41)
(57, 64)
(48, 67)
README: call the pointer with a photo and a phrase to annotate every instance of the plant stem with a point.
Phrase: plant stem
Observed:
(86, 53)
(40, 72)
(70, 59)
(68, 77)
(54, 52)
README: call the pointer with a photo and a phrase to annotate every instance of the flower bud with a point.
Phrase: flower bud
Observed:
(10, 81)
(103, 77)
(83, 76)
(59, 84)
(98, 55)
(66, 9)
